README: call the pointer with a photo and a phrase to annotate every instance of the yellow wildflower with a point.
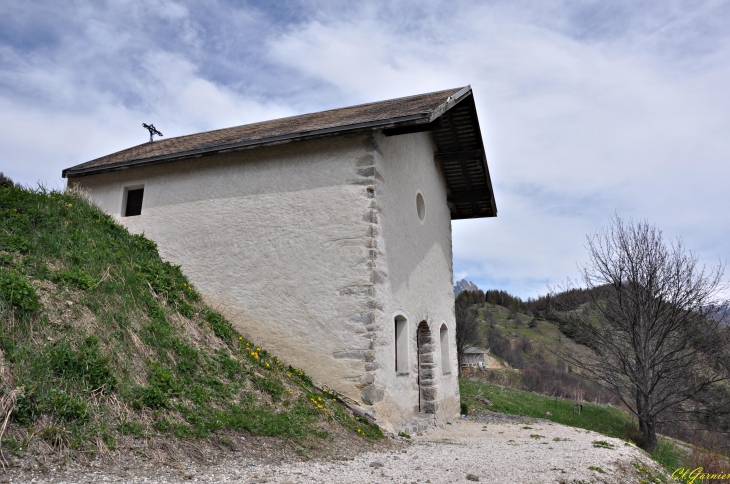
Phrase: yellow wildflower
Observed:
(288, 375)
(267, 365)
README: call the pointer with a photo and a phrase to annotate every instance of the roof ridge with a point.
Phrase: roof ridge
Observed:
(457, 89)
(400, 110)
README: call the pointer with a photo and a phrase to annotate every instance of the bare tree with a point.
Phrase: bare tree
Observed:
(655, 325)
(525, 344)
(467, 326)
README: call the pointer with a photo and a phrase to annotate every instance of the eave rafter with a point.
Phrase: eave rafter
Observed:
(462, 162)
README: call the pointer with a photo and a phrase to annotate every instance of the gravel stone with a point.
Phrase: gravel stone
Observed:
(499, 452)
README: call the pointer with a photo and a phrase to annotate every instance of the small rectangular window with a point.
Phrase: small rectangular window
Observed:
(134, 202)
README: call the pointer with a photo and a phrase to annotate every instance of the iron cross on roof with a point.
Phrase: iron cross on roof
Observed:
(153, 131)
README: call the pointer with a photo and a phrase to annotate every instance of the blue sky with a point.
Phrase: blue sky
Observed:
(587, 108)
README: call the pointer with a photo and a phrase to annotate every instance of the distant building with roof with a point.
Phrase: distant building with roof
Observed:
(325, 238)
(474, 356)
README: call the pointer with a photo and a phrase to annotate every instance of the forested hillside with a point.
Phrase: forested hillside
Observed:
(528, 337)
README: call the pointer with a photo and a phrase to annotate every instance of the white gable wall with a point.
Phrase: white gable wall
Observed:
(416, 280)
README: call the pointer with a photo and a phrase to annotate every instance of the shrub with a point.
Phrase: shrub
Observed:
(75, 277)
(271, 387)
(67, 407)
(150, 397)
(14, 243)
(6, 181)
(220, 326)
(710, 462)
(163, 385)
(17, 291)
(84, 366)
(131, 428)
(26, 407)
(6, 259)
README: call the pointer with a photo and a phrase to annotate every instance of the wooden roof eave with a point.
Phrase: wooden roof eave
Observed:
(479, 193)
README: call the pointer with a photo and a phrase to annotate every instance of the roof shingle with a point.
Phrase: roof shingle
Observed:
(450, 116)
(406, 109)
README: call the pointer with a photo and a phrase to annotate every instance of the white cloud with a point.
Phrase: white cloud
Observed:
(89, 95)
(586, 108)
(574, 129)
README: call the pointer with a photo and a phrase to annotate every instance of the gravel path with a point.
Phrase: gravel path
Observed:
(489, 448)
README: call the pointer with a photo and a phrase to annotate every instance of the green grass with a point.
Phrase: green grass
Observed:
(602, 444)
(604, 419)
(669, 456)
(92, 319)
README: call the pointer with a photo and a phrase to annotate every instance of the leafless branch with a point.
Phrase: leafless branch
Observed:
(655, 319)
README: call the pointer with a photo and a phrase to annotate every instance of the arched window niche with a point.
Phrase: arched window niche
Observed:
(444, 343)
(400, 324)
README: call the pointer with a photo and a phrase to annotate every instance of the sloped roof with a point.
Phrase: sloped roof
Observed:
(450, 115)
(473, 350)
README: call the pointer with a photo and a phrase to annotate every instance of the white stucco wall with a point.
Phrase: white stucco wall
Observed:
(417, 277)
(309, 248)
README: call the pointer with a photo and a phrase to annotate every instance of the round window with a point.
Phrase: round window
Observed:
(420, 206)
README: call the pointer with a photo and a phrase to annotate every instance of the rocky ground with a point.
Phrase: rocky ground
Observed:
(486, 448)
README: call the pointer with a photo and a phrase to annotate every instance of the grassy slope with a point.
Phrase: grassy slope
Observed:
(605, 419)
(101, 338)
(547, 339)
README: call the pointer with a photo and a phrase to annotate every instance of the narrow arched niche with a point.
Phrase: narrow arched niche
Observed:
(444, 343)
(401, 344)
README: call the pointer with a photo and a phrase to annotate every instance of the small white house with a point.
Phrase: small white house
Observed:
(325, 238)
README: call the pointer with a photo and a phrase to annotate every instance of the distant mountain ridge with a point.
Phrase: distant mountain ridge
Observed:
(464, 285)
